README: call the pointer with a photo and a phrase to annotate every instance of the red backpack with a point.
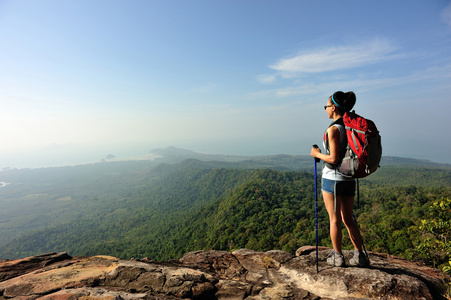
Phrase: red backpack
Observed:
(363, 150)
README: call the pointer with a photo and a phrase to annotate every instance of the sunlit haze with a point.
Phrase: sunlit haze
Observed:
(83, 79)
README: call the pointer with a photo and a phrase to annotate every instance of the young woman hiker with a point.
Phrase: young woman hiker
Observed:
(338, 190)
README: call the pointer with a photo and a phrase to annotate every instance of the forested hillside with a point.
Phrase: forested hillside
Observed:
(138, 209)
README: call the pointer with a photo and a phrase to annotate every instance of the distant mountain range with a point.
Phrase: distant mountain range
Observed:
(69, 155)
(175, 155)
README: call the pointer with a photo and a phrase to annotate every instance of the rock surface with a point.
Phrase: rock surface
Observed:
(242, 274)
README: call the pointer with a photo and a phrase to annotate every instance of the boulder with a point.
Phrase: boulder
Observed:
(14, 268)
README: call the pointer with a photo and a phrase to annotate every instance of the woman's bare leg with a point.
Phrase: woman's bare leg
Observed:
(347, 204)
(334, 220)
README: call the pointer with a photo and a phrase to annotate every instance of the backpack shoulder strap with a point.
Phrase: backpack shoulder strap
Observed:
(339, 121)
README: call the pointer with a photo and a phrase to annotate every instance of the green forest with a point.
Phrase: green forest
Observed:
(140, 209)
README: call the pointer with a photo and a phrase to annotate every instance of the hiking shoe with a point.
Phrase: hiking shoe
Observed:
(336, 259)
(359, 259)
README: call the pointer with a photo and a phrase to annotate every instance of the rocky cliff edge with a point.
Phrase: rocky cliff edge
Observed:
(242, 274)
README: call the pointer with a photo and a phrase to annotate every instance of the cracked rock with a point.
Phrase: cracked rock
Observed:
(242, 274)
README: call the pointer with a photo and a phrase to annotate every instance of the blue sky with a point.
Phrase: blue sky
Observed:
(83, 79)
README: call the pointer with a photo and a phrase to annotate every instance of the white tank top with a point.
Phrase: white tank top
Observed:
(333, 174)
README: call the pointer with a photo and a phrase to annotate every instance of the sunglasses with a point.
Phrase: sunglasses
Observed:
(326, 106)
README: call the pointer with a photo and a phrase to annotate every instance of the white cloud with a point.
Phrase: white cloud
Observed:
(265, 79)
(446, 14)
(314, 87)
(335, 58)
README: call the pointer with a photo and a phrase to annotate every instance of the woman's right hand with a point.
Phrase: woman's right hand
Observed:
(315, 152)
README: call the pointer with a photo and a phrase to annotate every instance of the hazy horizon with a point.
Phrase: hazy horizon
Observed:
(84, 79)
(70, 155)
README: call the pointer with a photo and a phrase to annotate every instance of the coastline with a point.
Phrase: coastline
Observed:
(3, 184)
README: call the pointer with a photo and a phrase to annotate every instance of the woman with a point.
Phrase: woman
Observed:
(338, 190)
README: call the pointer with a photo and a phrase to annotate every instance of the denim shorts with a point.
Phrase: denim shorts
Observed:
(344, 188)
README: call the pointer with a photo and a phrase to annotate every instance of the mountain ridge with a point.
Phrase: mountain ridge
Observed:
(173, 155)
(179, 154)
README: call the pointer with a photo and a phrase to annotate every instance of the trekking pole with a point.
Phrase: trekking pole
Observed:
(316, 160)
